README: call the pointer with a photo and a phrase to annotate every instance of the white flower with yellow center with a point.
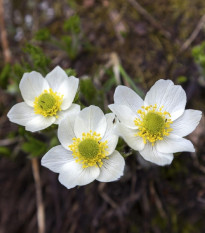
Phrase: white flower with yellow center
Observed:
(87, 151)
(46, 100)
(156, 126)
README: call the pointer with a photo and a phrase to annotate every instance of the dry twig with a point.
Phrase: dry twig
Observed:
(39, 199)
(8, 142)
(4, 41)
(194, 34)
(106, 197)
(157, 201)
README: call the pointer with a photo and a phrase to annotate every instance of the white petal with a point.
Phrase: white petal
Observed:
(125, 96)
(21, 113)
(56, 158)
(73, 174)
(63, 85)
(112, 168)
(56, 77)
(66, 131)
(39, 122)
(68, 89)
(68, 174)
(110, 135)
(129, 135)
(90, 118)
(186, 123)
(151, 154)
(32, 85)
(165, 93)
(74, 109)
(88, 175)
(173, 144)
(124, 114)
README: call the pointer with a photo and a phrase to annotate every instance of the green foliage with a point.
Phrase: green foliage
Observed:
(111, 81)
(72, 3)
(76, 99)
(53, 142)
(178, 224)
(34, 147)
(91, 95)
(130, 81)
(22, 131)
(181, 79)
(175, 172)
(121, 148)
(71, 47)
(177, 169)
(70, 72)
(43, 35)
(160, 222)
(72, 25)
(198, 53)
(88, 89)
(4, 75)
(38, 60)
(71, 39)
(5, 151)
(16, 73)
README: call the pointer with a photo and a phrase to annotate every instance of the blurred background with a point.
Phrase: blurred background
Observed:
(104, 43)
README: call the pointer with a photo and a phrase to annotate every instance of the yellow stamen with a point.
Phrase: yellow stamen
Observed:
(153, 124)
(89, 150)
(48, 103)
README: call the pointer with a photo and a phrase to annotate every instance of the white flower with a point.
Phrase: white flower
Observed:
(156, 126)
(46, 100)
(87, 151)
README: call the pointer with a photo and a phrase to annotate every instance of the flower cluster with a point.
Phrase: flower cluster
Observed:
(154, 127)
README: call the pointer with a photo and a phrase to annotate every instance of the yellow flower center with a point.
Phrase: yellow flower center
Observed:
(48, 103)
(153, 123)
(89, 150)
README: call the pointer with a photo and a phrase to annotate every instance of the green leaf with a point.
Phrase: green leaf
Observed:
(109, 84)
(54, 142)
(132, 84)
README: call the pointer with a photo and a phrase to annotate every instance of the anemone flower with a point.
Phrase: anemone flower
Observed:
(87, 151)
(156, 126)
(46, 100)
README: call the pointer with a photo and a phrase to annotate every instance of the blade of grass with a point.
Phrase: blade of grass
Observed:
(131, 83)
